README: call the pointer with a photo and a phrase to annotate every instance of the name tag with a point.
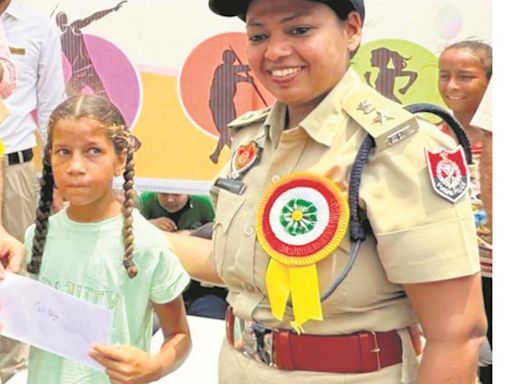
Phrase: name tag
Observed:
(231, 185)
(17, 51)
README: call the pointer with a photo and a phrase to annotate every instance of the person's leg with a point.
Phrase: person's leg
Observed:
(21, 193)
(21, 190)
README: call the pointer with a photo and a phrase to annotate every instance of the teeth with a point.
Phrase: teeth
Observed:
(284, 72)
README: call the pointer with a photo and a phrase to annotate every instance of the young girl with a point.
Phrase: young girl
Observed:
(79, 250)
(465, 69)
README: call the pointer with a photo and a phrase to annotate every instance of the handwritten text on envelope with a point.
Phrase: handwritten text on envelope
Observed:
(57, 322)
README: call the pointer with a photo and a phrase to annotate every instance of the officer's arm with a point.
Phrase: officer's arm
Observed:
(195, 256)
(453, 320)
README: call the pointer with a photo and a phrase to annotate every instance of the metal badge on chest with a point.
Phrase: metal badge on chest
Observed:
(244, 158)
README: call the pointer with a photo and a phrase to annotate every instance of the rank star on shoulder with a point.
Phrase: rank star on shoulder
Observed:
(381, 118)
(366, 107)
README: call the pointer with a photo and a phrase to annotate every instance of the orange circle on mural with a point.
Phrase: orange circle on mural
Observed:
(215, 83)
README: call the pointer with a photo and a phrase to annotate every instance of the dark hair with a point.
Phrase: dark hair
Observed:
(111, 119)
(483, 50)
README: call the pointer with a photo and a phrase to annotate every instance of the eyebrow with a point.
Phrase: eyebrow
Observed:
(251, 23)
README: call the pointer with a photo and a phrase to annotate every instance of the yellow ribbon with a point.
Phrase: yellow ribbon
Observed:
(299, 282)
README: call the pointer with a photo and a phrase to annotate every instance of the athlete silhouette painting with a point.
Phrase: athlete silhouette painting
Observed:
(222, 94)
(83, 73)
(391, 65)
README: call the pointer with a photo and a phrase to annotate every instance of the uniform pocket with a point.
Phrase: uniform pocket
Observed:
(329, 270)
(228, 205)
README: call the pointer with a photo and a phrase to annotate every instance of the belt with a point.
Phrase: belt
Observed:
(355, 353)
(19, 157)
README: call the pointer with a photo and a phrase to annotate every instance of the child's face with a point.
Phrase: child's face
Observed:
(462, 79)
(84, 164)
(172, 202)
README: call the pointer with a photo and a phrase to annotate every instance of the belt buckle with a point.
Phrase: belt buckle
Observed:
(258, 343)
(376, 350)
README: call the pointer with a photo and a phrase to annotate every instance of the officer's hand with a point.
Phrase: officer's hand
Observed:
(126, 364)
(165, 224)
(12, 253)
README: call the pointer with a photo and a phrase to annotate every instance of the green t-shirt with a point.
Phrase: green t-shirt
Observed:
(85, 260)
(198, 210)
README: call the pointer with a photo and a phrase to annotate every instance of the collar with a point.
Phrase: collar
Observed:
(322, 129)
(317, 126)
(275, 122)
(14, 9)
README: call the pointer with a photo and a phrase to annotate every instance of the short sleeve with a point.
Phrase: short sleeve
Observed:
(208, 212)
(421, 237)
(169, 278)
(144, 204)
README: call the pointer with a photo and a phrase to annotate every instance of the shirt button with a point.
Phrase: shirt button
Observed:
(248, 287)
(249, 231)
(276, 178)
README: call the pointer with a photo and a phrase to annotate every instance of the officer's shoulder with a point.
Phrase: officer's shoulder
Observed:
(386, 121)
(249, 118)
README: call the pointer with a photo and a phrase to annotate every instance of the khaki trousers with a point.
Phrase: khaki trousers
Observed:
(235, 368)
(21, 193)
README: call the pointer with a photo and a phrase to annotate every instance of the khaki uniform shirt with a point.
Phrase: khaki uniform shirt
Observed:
(418, 236)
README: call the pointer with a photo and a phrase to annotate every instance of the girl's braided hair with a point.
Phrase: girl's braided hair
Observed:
(111, 119)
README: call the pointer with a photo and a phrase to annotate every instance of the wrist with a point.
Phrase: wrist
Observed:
(157, 368)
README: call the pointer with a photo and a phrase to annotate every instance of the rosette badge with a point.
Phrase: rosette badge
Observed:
(301, 220)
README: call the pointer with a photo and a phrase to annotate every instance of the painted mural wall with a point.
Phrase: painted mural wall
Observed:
(179, 73)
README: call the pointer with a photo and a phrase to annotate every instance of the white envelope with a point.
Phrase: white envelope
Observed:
(54, 321)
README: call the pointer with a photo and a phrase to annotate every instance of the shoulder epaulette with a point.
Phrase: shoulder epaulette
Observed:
(386, 121)
(249, 118)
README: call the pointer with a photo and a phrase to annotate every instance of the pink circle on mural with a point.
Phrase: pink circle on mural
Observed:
(118, 75)
(448, 22)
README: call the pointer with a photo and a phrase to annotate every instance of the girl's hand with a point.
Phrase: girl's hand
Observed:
(126, 364)
(12, 253)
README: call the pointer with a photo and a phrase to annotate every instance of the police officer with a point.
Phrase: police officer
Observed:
(275, 205)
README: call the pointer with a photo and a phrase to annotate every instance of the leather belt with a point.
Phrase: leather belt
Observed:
(355, 353)
(19, 157)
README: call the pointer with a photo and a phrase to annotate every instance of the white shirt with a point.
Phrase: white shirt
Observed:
(483, 116)
(8, 81)
(37, 54)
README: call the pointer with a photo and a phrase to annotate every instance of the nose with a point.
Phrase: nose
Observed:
(76, 164)
(452, 83)
(277, 48)
(170, 200)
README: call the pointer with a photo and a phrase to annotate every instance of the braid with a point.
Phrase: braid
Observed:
(42, 215)
(129, 203)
